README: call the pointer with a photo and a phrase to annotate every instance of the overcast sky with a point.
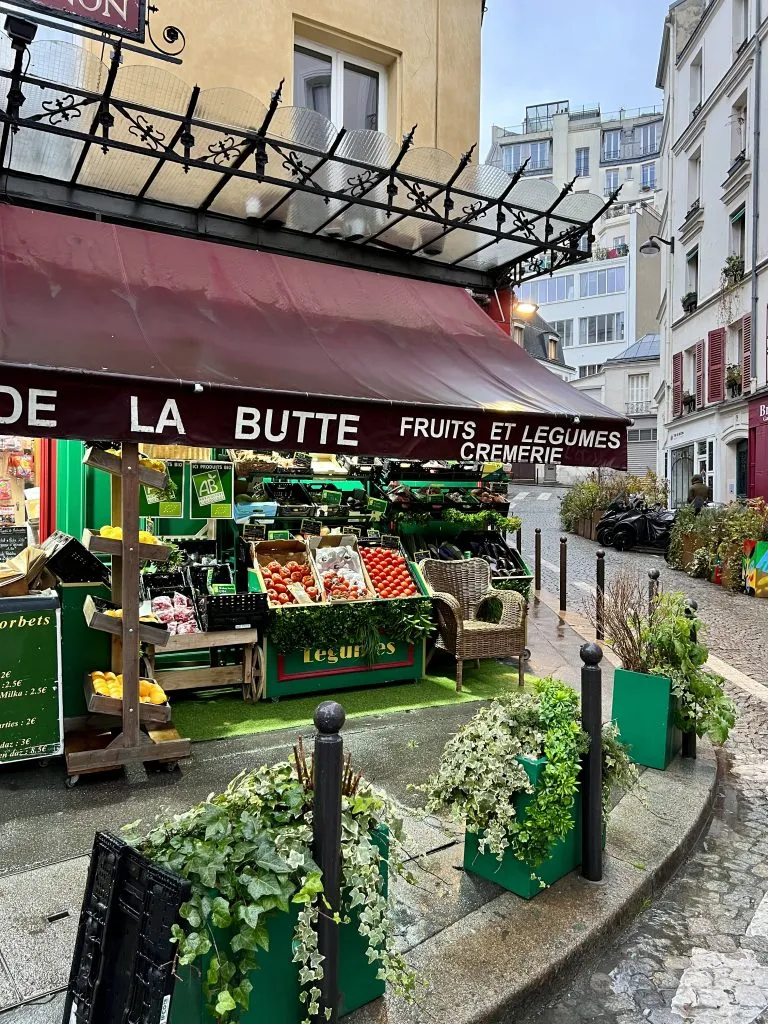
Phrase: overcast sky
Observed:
(585, 51)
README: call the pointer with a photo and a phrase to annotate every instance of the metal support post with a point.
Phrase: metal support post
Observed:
(326, 848)
(689, 738)
(600, 597)
(537, 560)
(563, 573)
(592, 764)
(519, 540)
(653, 590)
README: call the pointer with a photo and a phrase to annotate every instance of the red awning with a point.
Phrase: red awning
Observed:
(123, 323)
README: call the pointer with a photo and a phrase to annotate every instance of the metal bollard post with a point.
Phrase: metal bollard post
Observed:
(600, 597)
(563, 573)
(326, 846)
(592, 764)
(537, 560)
(653, 590)
(519, 540)
(689, 738)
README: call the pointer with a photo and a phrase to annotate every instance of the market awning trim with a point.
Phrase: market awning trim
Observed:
(271, 176)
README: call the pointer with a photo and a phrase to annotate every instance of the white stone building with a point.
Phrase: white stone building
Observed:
(713, 406)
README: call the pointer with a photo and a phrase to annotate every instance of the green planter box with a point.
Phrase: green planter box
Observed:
(644, 710)
(275, 995)
(514, 874)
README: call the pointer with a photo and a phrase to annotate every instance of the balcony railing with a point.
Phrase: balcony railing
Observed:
(639, 408)
(628, 151)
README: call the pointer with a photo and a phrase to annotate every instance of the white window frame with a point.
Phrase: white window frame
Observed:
(582, 166)
(338, 59)
(647, 171)
(565, 329)
(611, 176)
(612, 152)
(648, 138)
(597, 317)
(638, 388)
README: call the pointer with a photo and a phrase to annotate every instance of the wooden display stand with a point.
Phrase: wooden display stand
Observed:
(96, 750)
(249, 674)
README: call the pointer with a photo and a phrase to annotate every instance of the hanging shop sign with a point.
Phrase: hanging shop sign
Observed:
(167, 504)
(73, 405)
(211, 490)
(30, 678)
(125, 18)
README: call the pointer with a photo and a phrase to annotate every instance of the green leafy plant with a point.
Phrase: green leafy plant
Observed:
(596, 492)
(720, 532)
(689, 301)
(247, 854)
(480, 774)
(702, 565)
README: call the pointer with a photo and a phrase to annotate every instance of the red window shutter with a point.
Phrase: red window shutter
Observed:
(716, 367)
(699, 374)
(746, 354)
(677, 384)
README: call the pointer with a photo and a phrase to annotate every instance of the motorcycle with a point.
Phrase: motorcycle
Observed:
(613, 515)
(644, 526)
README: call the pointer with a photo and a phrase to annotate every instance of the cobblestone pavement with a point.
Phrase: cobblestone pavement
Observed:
(737, 625)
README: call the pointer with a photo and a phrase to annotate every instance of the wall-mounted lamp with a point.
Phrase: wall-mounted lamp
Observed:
(651, 247)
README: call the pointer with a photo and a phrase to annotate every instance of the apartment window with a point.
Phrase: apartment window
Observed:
(612, 144)
(629, 174)
(694, 179)
(602, 282)
(536, 153)
(648, 175)
(638, 393)
(565, 329)
(647, 135)
(618, 241)
(553, 289)
(642, 434)
(582, 162)
(518, 334)
(697, 82)
(552, 349)
(589, 370)
(584, 242)
(594, 330)
(740, 23)
(692, 271)
(349, 91)
(611, 181)
(738, 225)
(739, 128)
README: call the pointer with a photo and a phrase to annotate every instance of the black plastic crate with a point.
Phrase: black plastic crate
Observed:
(232, 611)
(123, 965)
(201, 575)
(68, 559)
(293, 498)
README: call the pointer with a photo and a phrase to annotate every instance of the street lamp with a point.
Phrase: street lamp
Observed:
(651, 247)
(523, 307)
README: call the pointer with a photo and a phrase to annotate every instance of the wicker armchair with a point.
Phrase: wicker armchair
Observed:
(459, 589)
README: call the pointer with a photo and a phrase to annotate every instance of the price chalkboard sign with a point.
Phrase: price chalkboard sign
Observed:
(254, 531)
(330, 498)
(30, 678)
(390, 541)
(421, 555)
(311, 527)
(302, 460)
(13, 540)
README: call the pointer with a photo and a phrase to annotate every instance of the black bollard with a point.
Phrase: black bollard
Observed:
(600, 597)
(653, 590)
(689, 738)
(592, 764)
(563, 573)
(537, 560)
(326, 847)
(519, 540)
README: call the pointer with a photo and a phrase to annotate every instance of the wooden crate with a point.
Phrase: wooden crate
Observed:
(337, 541)
(282, 551)
(98, 704)
(110, 463)
(93, 610)
(93, 540)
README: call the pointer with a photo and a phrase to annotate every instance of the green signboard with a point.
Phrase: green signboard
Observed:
(330, 498)
(211, 490)
(30, 678)
(167, 504)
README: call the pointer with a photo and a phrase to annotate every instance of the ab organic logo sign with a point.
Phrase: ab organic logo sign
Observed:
(212, 486)
(208, 487)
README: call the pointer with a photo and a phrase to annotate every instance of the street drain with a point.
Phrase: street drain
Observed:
(53, 918)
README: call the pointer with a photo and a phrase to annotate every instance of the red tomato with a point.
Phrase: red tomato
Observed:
(280, 588)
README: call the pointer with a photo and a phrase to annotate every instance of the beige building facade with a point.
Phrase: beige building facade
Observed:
(383, 64)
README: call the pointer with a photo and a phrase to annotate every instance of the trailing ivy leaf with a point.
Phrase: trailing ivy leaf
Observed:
(220, 914)
(225, 1003)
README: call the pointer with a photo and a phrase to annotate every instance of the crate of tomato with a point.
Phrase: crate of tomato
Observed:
(389, 572)
(340, 569)
(285, 572)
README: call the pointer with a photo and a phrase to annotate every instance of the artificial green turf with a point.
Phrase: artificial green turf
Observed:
(216, 716)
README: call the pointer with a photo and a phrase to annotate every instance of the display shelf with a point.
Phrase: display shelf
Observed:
(93, 610)
(113, 464)
(99, 704)
(248, 674)
(93, 541)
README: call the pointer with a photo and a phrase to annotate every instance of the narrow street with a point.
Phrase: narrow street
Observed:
(700, 953)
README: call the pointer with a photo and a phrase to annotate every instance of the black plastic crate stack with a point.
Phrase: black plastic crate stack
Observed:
(123, 965)
(72, 562)
(232, 611)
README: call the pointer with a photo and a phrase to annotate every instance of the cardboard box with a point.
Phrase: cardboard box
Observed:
(282, 551)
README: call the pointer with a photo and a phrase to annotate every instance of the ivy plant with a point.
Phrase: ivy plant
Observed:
(247, 854)
(480, 775)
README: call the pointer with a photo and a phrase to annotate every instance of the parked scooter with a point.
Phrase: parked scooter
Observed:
(614, 514)
(649, 527)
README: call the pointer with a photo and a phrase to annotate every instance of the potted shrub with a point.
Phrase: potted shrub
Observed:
(662, 688)
(733, 271)
(248, 946)
(511, 773)
(733, 379)
(689, 302)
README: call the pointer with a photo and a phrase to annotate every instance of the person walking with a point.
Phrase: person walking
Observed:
(699, 494)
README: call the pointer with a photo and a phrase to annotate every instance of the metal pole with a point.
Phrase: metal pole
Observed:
(600, 597)
(563, 573)
(653, 590)
(537, 560)
(519, 540)
(592, 764)
(689, 738)
(326, 847)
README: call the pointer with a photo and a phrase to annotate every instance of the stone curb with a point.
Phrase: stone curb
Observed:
(506, 956)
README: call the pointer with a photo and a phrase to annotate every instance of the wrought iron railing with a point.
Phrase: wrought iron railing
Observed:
(639, 408)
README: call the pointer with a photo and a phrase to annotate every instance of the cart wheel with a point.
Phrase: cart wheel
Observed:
(527, 654)
(71, 781)
(168, 767)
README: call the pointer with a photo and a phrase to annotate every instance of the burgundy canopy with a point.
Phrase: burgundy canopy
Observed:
(126, 334)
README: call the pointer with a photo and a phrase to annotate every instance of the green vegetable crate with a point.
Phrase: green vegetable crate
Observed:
(644, 710)
(515, 875)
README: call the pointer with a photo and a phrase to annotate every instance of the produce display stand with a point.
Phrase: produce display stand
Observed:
(248, 674)
(97, 749)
